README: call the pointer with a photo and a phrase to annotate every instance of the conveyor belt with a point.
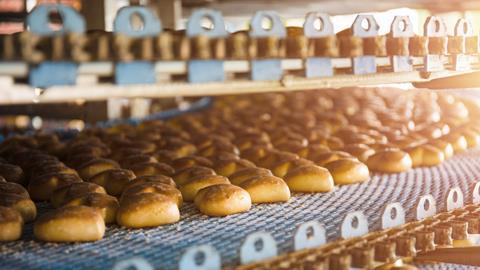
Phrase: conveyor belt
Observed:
(163, 246)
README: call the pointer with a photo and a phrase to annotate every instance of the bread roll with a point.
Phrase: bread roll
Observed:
(472, 137)
(136, 159)
(11, 224)
(189, 161)
(266, 189)
(163, 189)
(459, 143)
(230, 166)
(348, 171)
(96, 166)
(325, 158)
(74, 190)
(190, 188)
(152, 168)
(114, 180)
(391, 160)
(360, 151)
(416, 154)
(310, 178)
(22, 204)
(13, 188)
(143, 210)
(162, 179)
(70, 224)
(181, 177)
(106, 205)
(244, 174)
(41, 188)
(222, 200)
(443, 146)
(12, 173)
(432, 156)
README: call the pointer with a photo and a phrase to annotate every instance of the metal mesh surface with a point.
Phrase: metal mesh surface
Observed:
(162, 246)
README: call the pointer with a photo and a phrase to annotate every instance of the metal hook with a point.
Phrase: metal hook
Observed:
(195, 28)
(426, 207)
(359, 31)
(353, 225)
(38, 20)
(151, 24)
(211, 258)
(454, 199)
(309, 235)
(250, 253)
(398, 31)
(434, 27)
(393, 215)
(277, 28)
(309, 29)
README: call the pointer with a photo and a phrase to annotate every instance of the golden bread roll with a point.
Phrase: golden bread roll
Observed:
(70, 224)
(11, 224)
(163, 189)
(443, 146)
(96, 166)
(106, 205)
(416, 154)
(75, 161)
(310, 178)
(391, 160)
(152, 168)
(42, 187)
(266, 189)
(360, 151)
(165, 156)
(222, 200)
(230, 166)
(189, 161)
(459, 143)
(162, 179)
(22, 204)
(272, 157)
(283, 167)
(136, 158)
(114, 180)
(74, 190)
(181, 177)
(327, 157)
(12, 173)
(244, 174)
(255, 153)
(190, 188)
(143, 210)
(432, 156)
(348, 171)
(472, 137)
(13, 188)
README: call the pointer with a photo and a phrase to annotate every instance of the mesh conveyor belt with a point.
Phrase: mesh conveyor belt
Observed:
(163, 246)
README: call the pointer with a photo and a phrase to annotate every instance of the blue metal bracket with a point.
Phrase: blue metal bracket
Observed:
(200, 71)
(402, 27)
(364, 64)
(434, 27)
(51, 73)
(318, 66)
(461, 62)
(136, 72)
(266, 69)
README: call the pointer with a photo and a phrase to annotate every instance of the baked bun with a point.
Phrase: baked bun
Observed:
(161, 179)
(244, 174)
(106, 205)
(163, 189)
(42, 187)
(266, 189)
(13, 188)
(222, 200)
(11, 224)
(136, 159)
(360, 151)
(189, 161)
(12, 173)
(114, 181)
(152, 168)
(96, 166)
(324, 158)
(22, 204)
(190, 188)
(310, 178)
(230, 166)
(432, 156)
(443, 146)
(74, 190)
(143, 210)
(391, 160)
(348, 171)
(70, 224)
(182, 177)
(459, 143)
